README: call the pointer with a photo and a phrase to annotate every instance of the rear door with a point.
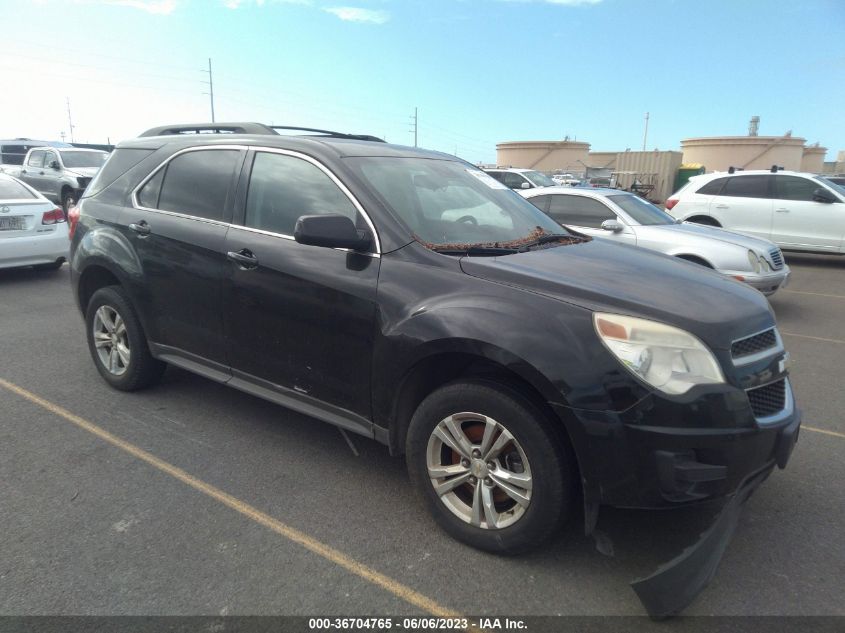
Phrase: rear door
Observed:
(177, 229)
(801, 222)
(744, 204)
(300, 320)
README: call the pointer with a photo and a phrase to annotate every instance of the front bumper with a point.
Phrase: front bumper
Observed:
(769, 283)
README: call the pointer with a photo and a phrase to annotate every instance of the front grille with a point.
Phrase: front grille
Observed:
(754, 344)
(777, 258)
(768, 400)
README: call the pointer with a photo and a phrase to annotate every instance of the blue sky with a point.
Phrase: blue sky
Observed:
(480, 71)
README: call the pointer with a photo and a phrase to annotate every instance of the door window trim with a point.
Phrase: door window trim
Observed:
(255, 148)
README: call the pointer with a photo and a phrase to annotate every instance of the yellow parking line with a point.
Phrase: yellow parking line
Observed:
(815, 338)
(311, 544)
(804, 427)
(815, 294)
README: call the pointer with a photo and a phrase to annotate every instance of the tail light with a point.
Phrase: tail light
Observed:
(53, 217)
(670, 203)
(72, 220)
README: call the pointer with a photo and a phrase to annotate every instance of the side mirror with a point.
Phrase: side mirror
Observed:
(823, 195)
(331, 230)
(612, 225)
(54, 164)
(525, 185)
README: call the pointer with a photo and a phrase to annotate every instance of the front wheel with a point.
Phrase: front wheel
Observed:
(489, 468)
(117, 341)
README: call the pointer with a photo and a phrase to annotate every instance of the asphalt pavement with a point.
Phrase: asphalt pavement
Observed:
(193, 498)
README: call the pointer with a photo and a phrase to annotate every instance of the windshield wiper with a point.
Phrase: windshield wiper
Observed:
(489, 251)
(549, 238)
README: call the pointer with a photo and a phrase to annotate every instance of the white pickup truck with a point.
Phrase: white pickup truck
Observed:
(58, 173)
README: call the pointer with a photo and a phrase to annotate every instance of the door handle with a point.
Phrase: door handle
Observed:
(141, 228)
(781, 210)
(40, 173)
(23, 171)
(722, 206)
(244, 258)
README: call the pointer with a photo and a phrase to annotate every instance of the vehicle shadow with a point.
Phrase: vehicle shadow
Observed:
(818, 260)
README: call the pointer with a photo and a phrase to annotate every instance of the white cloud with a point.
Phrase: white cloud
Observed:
(357, 14)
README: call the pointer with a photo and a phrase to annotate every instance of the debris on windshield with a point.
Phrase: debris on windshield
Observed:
(536, 237)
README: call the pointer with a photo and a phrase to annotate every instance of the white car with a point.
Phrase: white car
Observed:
(33, 230)
(797, 211)
(519, 179)
(629, 219)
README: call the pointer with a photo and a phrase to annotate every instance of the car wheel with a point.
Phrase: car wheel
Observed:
(68, 200)
(51, 266)
(117, 342)
(489, 468)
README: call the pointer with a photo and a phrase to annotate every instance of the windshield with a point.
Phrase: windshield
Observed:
(641, 211)
(449, 203)
(840, 189)
(83, 159)
(538, 179)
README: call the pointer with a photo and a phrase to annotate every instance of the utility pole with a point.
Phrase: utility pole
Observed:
(69, 119)
(645, 134)
(416, 124)
(62, 134)
(210, 92)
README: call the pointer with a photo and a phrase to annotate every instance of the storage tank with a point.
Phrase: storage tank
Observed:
(813, 159)
(719, 153)
(543, 155)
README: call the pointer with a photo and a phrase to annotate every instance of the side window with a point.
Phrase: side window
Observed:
(541, 202)
(579, 211)
(794, 188)
(49, 157)
(36, 159)
(148, 195)
(198, 183)
(713, 188)
(747, 187)
(512, 180)
(497, 175)
(282, 188)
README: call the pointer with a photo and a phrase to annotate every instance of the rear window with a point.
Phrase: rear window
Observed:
(197, 183)
(747, 187)
(13, 190)
(120, 161)
(713, 187)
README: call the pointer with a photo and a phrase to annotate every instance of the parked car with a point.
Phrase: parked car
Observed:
(61, 173)
(33, 231)
(836, 180)
(514, 178)
(566, 180)
(627, 218)
(796, 211)
(408, 296)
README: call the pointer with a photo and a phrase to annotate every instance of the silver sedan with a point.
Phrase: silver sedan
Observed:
(627, 218)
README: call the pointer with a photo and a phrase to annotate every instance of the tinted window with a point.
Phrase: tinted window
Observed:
(497, 175)
(36, 159)
(794, 188)
(13, 190)
(747, 187)
(148, 195)
(198, 183)
(512, 180)
(120, 161)
(283, 188)
(579, 211)
(713, 187)
(83, 159)
(541, 202)
(12, 154)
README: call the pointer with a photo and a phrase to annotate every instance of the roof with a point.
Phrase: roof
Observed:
(751, 172)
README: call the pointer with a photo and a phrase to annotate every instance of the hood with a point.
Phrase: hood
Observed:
(610, 277)
(85, 172)
(756, 244)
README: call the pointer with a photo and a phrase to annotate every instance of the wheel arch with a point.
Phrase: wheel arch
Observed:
(694, 259)
(706, 220)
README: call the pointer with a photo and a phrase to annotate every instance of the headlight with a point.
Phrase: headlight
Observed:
(754, 261)
(764, 265)
(665, 357)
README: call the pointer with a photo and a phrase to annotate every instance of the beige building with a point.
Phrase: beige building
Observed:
(546, 156)
(606, 160)
(813, 159)
(652, 168)
(718, 153)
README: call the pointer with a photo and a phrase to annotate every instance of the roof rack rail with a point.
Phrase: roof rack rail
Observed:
(247, 128)
(329, 133)
(775, 169)
(733, 169)
(209, 128)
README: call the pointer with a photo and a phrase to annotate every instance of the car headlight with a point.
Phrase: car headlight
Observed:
(754, 261)
(665, 357)
(764, 265)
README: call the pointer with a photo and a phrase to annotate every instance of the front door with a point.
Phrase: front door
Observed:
(801, 222)
(177, 230)
(300, 320)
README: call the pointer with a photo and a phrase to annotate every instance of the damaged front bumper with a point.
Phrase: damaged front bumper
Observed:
(677, 583)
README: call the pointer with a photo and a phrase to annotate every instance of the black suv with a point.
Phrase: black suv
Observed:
(408, 296)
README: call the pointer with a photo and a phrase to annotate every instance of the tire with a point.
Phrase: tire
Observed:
(68, 198)
(535, 452)
(51, 267)
(125, 362)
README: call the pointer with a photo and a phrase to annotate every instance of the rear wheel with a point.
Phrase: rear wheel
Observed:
(117, 342)
(489, 469)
